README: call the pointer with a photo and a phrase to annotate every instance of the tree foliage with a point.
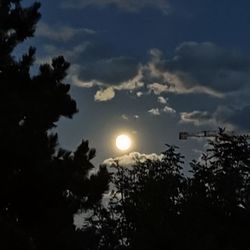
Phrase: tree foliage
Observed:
(154, 206)
(151, 205)
(144, 203)
(217, 204)
(41, 185)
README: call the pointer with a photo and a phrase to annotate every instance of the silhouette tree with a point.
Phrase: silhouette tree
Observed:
(144, 207)
(41, 185)
(218, 197)
(153, 206)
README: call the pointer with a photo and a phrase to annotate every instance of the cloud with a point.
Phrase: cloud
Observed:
(83, 54)
(126, 5)
(60, 33)
(240, 117)
(125, 117)
(156, 75)
(104, 95)
(131, 159)
(162, 100)
(112, 70)
(223, 116)
(157, 111)
(169, 110)
(197, 68)
(75, 55)
(209, 67)
(158, 88)
(139, 94)
(235, 117)
(194, 68)
(92, 67)
(163, 76)
(154, 111)
(131, 85)
(196, 117)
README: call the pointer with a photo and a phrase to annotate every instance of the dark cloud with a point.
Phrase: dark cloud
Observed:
(86, 52)
(196, 117)
(61, 33)
(201, 68)
(194, 68)
(241, 117)
(110, 71)
(127, 5)
(92, 64)
(87, 49)
(224, 116)
(209, 65)
(197, 68)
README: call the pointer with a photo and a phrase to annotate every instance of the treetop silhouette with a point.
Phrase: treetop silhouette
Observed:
(41, 185)
(154, 206)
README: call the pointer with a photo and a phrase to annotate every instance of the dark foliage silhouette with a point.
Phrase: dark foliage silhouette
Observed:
(217, 205)
(154, 206)
(144, 207)
(41, 185)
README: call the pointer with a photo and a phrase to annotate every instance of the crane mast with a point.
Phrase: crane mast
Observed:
(206, 134)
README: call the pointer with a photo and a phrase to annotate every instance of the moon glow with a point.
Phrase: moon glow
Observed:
(123, 142)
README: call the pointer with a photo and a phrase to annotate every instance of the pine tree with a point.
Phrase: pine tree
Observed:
(41, 185)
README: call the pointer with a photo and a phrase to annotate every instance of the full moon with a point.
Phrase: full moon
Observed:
(123, 142)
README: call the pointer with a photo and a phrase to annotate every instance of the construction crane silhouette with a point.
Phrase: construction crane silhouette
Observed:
(207, 134)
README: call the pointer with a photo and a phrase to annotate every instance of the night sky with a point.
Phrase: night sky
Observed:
(149, 68)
